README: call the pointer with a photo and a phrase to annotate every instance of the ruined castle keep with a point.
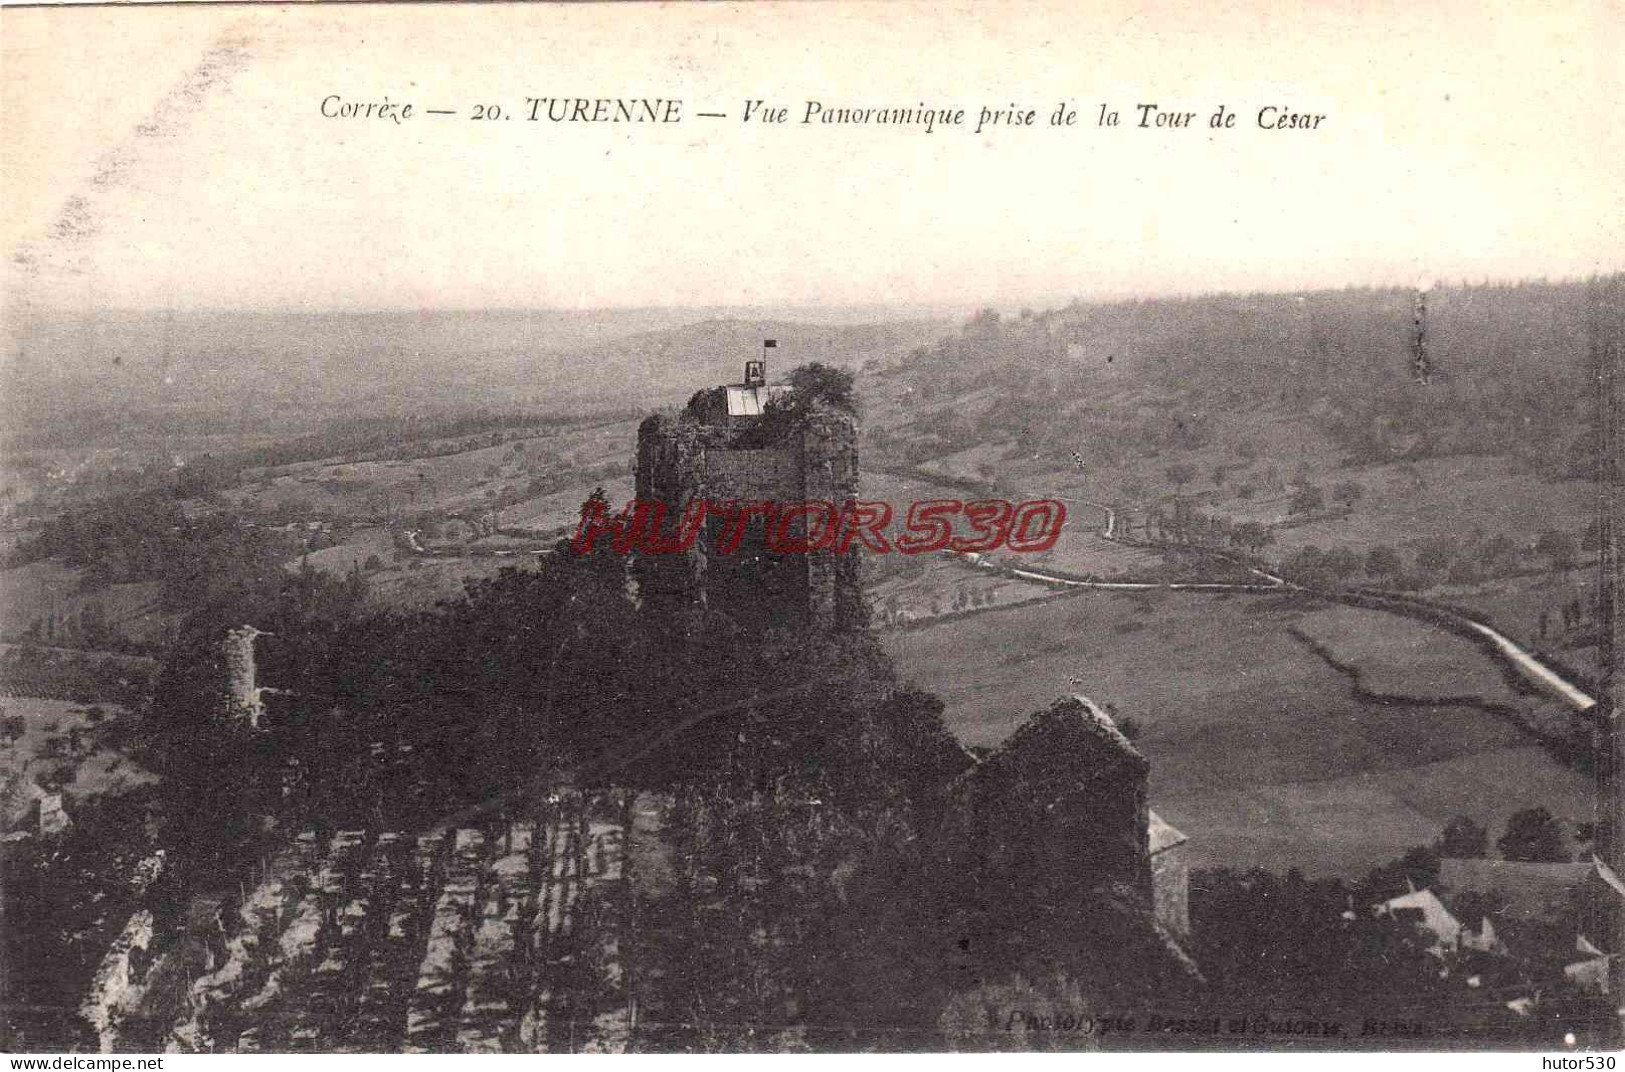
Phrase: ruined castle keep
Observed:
(727, 446)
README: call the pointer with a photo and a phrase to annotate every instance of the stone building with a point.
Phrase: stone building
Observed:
(727, 446)
(1170, 878)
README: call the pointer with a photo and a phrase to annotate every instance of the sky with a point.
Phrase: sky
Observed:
(177, 157)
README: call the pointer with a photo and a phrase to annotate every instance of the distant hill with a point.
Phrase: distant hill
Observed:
(1507, 373)
(676, 361)
(79, 376)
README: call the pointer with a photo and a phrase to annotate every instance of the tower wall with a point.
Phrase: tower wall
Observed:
(688, 457)
(242, 673)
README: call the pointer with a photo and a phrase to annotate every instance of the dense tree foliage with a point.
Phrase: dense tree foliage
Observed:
(1509, 376)
(1533, 834)
(150, 536)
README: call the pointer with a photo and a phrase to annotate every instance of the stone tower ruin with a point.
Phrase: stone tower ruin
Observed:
(241, 675)
(729, 446)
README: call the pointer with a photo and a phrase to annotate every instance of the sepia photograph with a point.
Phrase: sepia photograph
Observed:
(812, 528)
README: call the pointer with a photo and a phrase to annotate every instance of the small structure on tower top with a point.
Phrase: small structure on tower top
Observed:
(750, 398)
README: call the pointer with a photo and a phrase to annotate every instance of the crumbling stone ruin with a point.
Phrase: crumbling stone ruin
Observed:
(1064, 803)
(246, 697)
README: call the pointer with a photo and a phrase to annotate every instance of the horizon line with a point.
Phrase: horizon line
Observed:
(1048, 302)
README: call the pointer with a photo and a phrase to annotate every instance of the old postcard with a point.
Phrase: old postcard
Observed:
(847, 527)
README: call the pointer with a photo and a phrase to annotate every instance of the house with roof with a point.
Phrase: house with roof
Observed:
(1170, 876)
(1424, 910)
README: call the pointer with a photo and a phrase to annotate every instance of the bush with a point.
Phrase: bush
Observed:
(1532, 835)
(1307, 499)
(1463, 839)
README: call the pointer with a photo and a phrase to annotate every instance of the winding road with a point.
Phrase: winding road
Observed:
(1529, 667)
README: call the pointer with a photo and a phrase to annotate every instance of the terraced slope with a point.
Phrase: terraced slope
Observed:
(502, 939)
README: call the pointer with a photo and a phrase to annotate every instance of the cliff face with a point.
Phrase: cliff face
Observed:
(119, 984)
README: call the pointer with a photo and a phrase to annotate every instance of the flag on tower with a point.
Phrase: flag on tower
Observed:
(770, 344)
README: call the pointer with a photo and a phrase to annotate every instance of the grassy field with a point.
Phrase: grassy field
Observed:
(33, 592)
(422, 583)
(1442, 496)
(1243, 471)
(1402, 656)
(444, 483)
(981, 462)
(931, 586)
(1514, 606)
(560, 511)
(1259, 750)
(43, 757)
(359, 545)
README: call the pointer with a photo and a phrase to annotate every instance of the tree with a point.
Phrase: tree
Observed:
(1347, 492)
(817, 382)
(1307, 499)
(814, 386)
(1463, 839)
(1436, 554)
(1533, 835)
(1496, 550)
(1558, 546)
(1341, 562)
(1180, 474)
(1383, 561)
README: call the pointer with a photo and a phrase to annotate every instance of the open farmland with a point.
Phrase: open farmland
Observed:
(45, 758)
(561, 510)
(32, 594)
(928, 586)
(1440, 496)
(460, 479)
(1514, 605)
(358, 546)
(422, 582)
(1405, 657)
(1260, 751)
